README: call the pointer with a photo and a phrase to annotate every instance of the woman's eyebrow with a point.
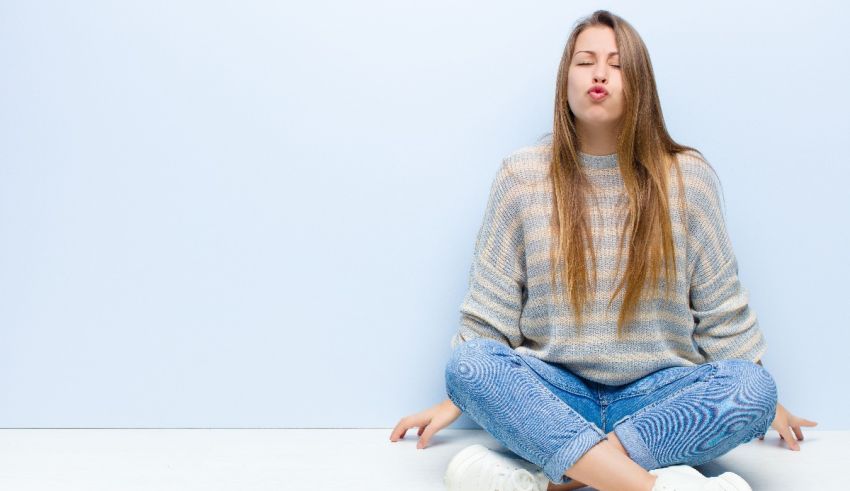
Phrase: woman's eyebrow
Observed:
(594, 53)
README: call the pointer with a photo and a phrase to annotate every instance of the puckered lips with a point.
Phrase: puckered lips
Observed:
(597, 92)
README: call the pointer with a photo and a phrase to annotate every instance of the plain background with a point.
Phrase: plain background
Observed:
(262, 214)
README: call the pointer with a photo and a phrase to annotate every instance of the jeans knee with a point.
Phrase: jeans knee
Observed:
(763, 386)
(770, 396)
(467, 362)
(757, 388)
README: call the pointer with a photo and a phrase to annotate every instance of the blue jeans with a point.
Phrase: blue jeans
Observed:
(550, 417)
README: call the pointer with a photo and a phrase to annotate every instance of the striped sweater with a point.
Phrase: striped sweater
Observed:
(510, 299)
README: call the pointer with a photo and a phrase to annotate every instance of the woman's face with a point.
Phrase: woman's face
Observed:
(593, 64)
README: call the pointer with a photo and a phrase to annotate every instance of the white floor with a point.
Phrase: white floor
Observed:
(351, 459)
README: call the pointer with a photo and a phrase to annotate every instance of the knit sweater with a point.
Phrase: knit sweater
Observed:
(510, 298)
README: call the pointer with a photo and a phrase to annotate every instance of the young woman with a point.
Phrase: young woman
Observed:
(605, 338)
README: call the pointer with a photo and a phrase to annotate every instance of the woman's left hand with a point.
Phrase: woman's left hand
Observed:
(783, 420)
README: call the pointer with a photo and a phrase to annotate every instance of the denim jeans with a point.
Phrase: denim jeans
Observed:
(550, 417)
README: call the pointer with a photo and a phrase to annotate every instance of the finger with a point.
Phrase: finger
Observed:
(797, 432)
(395, 432)
(806, 422)
(421, 429)
(426, 436)
(400, 429)
(789, 440)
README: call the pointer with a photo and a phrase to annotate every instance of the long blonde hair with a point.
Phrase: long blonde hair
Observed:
(646, 154)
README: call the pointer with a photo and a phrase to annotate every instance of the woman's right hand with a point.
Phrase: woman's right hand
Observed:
(429, 421)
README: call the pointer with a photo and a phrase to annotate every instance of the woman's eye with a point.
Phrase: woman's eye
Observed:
(589, 63)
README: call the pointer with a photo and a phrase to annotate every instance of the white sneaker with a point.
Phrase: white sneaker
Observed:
(728, 481)
(687, 478)
(477, 468)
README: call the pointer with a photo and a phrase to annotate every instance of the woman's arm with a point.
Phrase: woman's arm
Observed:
(725, 326)
(493, 302)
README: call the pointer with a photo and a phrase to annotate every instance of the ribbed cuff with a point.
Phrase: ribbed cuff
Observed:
(566, 456)
(635, 446)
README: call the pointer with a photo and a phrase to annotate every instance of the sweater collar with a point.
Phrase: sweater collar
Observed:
(592, 161)
(599, 161)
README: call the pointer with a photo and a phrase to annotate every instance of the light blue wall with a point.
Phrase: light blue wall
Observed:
(261, 214)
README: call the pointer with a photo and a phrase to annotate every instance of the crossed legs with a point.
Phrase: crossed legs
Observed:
(606, 466)
(727, 402)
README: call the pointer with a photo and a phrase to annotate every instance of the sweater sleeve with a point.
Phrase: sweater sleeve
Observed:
(495, 296)
(725, 325)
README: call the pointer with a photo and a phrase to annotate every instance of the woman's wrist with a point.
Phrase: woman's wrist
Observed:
(448, 404)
